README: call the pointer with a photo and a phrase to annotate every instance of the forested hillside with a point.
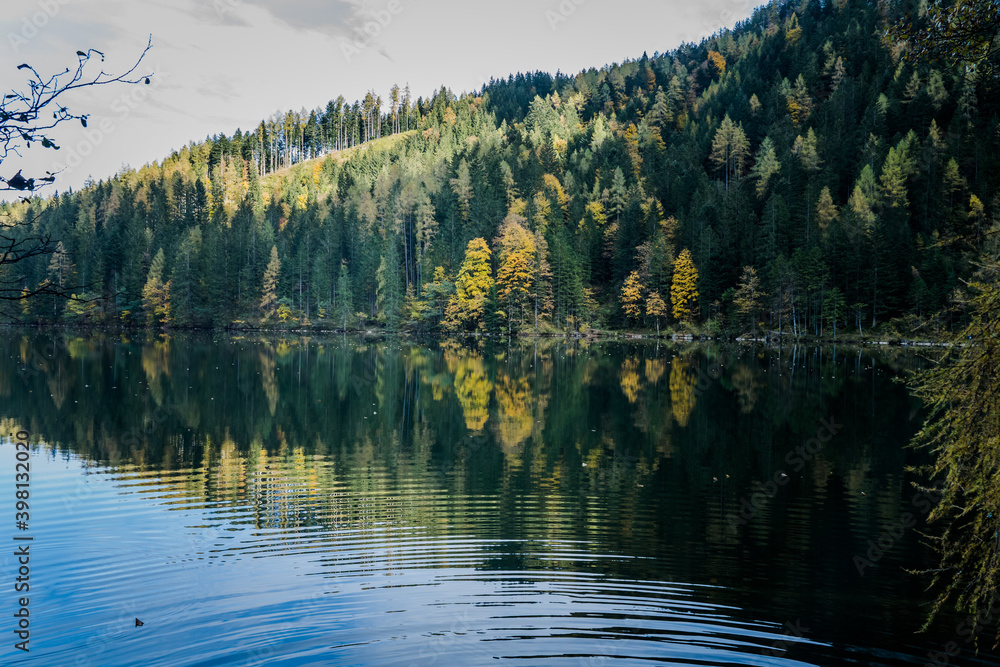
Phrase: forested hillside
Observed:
(795, 173)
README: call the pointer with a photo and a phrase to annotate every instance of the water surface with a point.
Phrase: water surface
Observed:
(310, 501)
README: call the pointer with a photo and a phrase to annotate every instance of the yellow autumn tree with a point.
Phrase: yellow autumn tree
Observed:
(717, 62)
(632, 296)
(516, 275)
(472, 288)
(684, 290)
(554, 189)
(656, 308)
(826, 211)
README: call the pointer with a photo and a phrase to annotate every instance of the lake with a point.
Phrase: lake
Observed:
(343, 501)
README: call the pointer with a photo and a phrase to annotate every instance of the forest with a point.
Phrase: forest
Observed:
(797, 174)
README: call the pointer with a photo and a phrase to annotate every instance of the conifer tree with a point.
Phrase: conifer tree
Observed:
(345, 298)
(515, 276)
(964, 431)
(826, 211)
(185, 277)
(684, 290)
(749, 296)
(472, 288)
(766, 166)
(631, 296)
(389, 288)
(156, 293)
(59, 270)
(269, 290)
(730, 149)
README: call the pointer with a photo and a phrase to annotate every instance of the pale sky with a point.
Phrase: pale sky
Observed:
(220, 65)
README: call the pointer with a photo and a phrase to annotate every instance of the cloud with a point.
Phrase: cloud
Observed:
(322, 15)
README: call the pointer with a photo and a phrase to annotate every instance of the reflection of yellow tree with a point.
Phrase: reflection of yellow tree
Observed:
(58, 383)
(682, 398)
(472, 386)
(440, 383)
(745, 383)
(156, 362)
(268, 379)
(25, 349)
(654, 370)
(9, 425)
(229, 473)
(79, 348)
(515, 416)
(630, 380)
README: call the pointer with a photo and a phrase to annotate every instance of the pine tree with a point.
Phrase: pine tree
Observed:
(472, 288)
(936, 89)
(826, 211)
(156, 293)
(461, 185)
(516, 274)
(799, 101)
(389, 287)
(912, 88)
(631, 296)
(834, 307)
(730, 149)
(269, 290)
(345, 298)
(60, 266)
(618, 192)
(963, 429)
(894, 174)
(59, 270)
(749, 297)
(185, 277)
(684, 290)
(807, 150)
(493, 314)
(766, 166)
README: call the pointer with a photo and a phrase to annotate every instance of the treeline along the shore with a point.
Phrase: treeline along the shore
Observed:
(794, 174)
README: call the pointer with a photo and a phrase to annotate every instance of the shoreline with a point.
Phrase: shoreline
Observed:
(598, 335)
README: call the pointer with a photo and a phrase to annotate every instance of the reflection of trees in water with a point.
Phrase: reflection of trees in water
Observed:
(58, 382)
(537, 405)
(745, 383)
(472, 385)
(630, 379)
(682, 386)
(267, 379)
(655, 368)
(515, 418)
(156, 365)
(285, 435)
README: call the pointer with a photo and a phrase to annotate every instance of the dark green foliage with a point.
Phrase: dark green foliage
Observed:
(902, 157)
(964, 433)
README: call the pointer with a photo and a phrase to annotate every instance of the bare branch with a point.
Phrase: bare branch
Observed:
(21, 120)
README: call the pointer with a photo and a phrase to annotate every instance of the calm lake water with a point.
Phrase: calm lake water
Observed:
(332, 501)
